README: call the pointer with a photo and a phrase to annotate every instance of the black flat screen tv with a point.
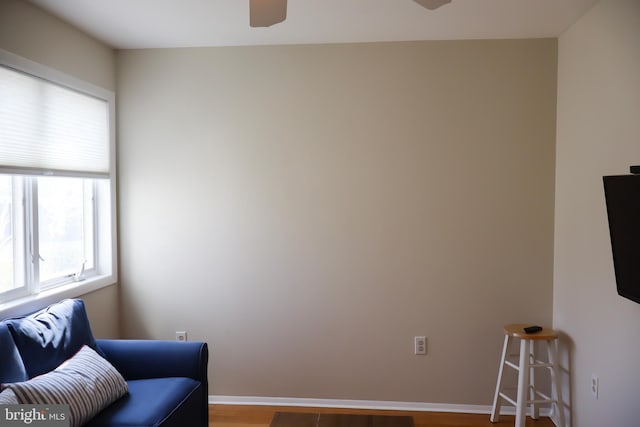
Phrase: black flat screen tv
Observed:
(622, 196)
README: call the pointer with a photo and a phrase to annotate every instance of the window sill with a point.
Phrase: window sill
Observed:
(31, 303)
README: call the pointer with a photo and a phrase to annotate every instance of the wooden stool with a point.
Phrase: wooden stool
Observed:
(527, 394)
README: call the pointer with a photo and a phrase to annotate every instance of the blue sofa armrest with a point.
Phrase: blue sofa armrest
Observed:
(151, 359)
(141, 359)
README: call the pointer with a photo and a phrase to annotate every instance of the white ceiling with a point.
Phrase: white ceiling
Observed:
(127, 24)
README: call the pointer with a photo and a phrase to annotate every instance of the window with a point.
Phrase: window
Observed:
(57, 182)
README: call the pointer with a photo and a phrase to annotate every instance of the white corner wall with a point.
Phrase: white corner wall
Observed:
(598, 133)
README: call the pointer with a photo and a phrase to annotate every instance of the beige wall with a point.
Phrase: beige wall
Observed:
(28, 31)
(307, 210)
(31, 33)
(598, 134)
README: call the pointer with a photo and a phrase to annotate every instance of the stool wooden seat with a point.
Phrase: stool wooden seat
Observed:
(527, 394)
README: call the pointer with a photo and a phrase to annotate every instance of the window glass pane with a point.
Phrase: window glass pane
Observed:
(65, 227)
(7, 276)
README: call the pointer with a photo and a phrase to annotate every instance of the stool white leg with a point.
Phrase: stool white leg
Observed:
(555, 379)
(535, 408)
(523, 383)
(495, 411)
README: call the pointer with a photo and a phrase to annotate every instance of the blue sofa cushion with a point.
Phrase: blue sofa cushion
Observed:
(49, 337)
(149, 402)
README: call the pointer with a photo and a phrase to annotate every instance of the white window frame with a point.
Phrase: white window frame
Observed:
(105, 212)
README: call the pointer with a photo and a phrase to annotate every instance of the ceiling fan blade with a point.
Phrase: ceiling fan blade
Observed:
(432, 4)
(265, 13)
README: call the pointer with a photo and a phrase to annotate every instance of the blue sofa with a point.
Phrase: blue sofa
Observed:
(166, 380)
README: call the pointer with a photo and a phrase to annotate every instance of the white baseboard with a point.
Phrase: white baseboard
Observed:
(361, 404)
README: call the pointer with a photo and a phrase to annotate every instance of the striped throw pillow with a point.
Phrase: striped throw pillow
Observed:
(7, 397)
(86, 382)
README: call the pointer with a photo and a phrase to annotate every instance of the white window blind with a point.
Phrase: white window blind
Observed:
(49, 129)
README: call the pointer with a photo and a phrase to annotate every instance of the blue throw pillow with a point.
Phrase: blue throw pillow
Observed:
(50, 336)
(11, 365)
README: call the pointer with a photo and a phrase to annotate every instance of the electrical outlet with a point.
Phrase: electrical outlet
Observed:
(595, 382)
(181, 336)
(420, 345)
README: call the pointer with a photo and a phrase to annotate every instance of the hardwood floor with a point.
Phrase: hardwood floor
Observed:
(260, 416)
